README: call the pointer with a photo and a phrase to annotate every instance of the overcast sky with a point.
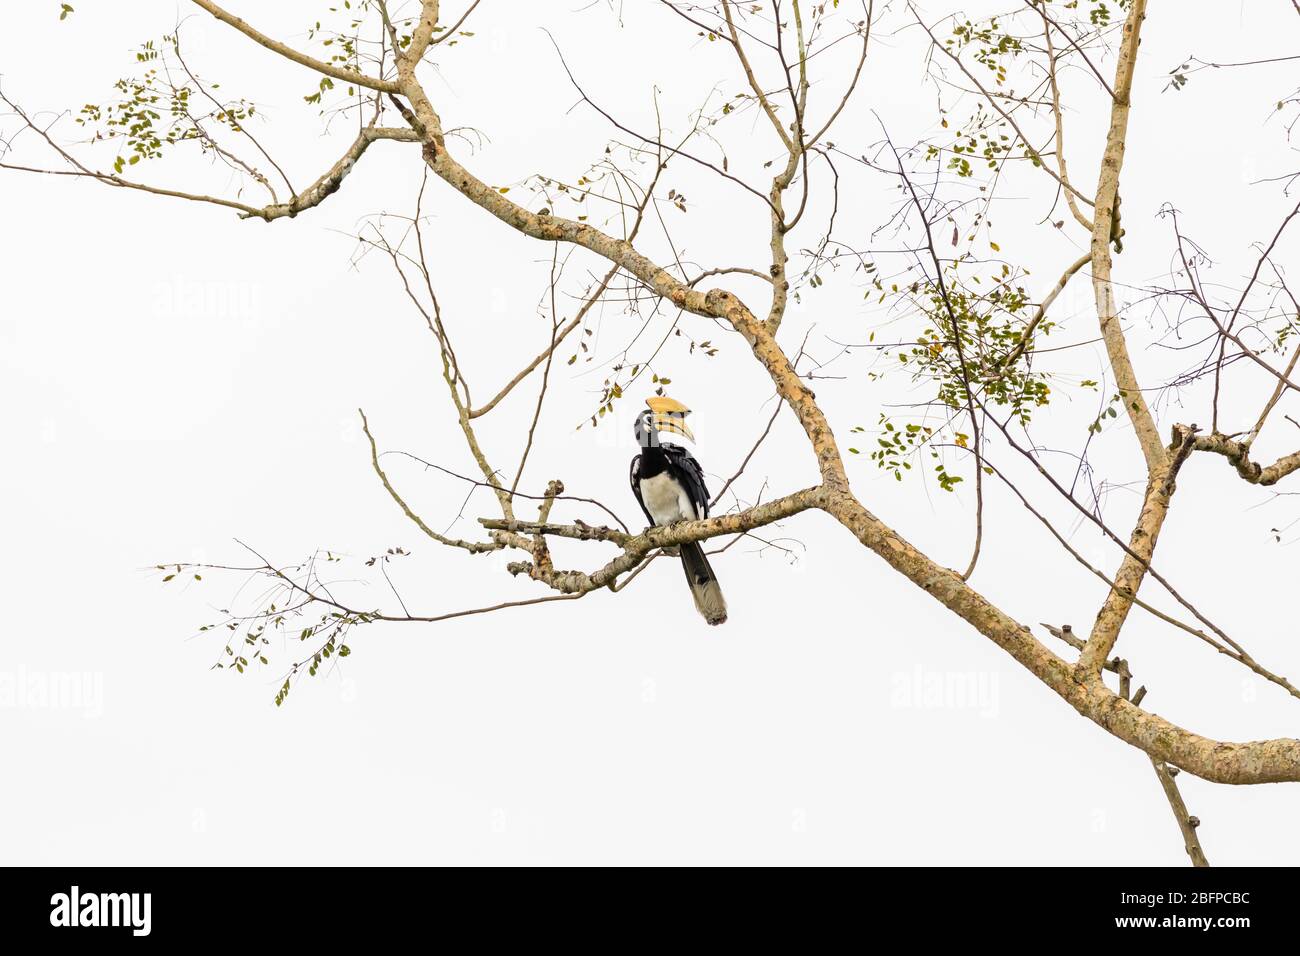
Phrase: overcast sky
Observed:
(174, 378)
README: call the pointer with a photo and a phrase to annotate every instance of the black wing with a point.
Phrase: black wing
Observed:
(634, 475)
(683, 466)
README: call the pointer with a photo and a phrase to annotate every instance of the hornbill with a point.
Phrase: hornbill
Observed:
(669, 485)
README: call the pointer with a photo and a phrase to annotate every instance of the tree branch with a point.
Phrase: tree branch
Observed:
(1137, 559)
(1238, 453)
(1104, 206)
(473, 547)
(330, 182)
(289, 53)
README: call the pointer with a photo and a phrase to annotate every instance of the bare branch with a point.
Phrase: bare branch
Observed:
(1070, 197)
(993, 102)
(473, 547)
(338, 73)
(1187, 823)
(332, 179)
(1028, 334)
(314, 195)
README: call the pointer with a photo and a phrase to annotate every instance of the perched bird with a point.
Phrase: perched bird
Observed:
(669, 485)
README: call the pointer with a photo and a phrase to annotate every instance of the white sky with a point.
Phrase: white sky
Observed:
(174, 378)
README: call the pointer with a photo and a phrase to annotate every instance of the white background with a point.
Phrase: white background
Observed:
(174, 378)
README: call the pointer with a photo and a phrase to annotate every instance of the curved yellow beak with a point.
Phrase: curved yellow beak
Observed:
(670, 415)
(673, 422)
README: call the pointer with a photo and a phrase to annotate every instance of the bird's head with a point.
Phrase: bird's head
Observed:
(664, 415)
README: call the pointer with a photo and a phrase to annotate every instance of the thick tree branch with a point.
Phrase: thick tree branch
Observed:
(1137, 559)
(1238, 453)
(1104, 206)
(1265, 761)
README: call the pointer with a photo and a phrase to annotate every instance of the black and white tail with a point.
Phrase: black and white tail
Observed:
(704, 586)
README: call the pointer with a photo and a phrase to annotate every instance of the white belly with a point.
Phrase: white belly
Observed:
(665, 499)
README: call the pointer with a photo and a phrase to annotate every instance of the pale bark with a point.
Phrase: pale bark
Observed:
(1186, 822)
(1126, 381)
(1238, 453)
(332, 179)
(1137, 560)
(1160, 470)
